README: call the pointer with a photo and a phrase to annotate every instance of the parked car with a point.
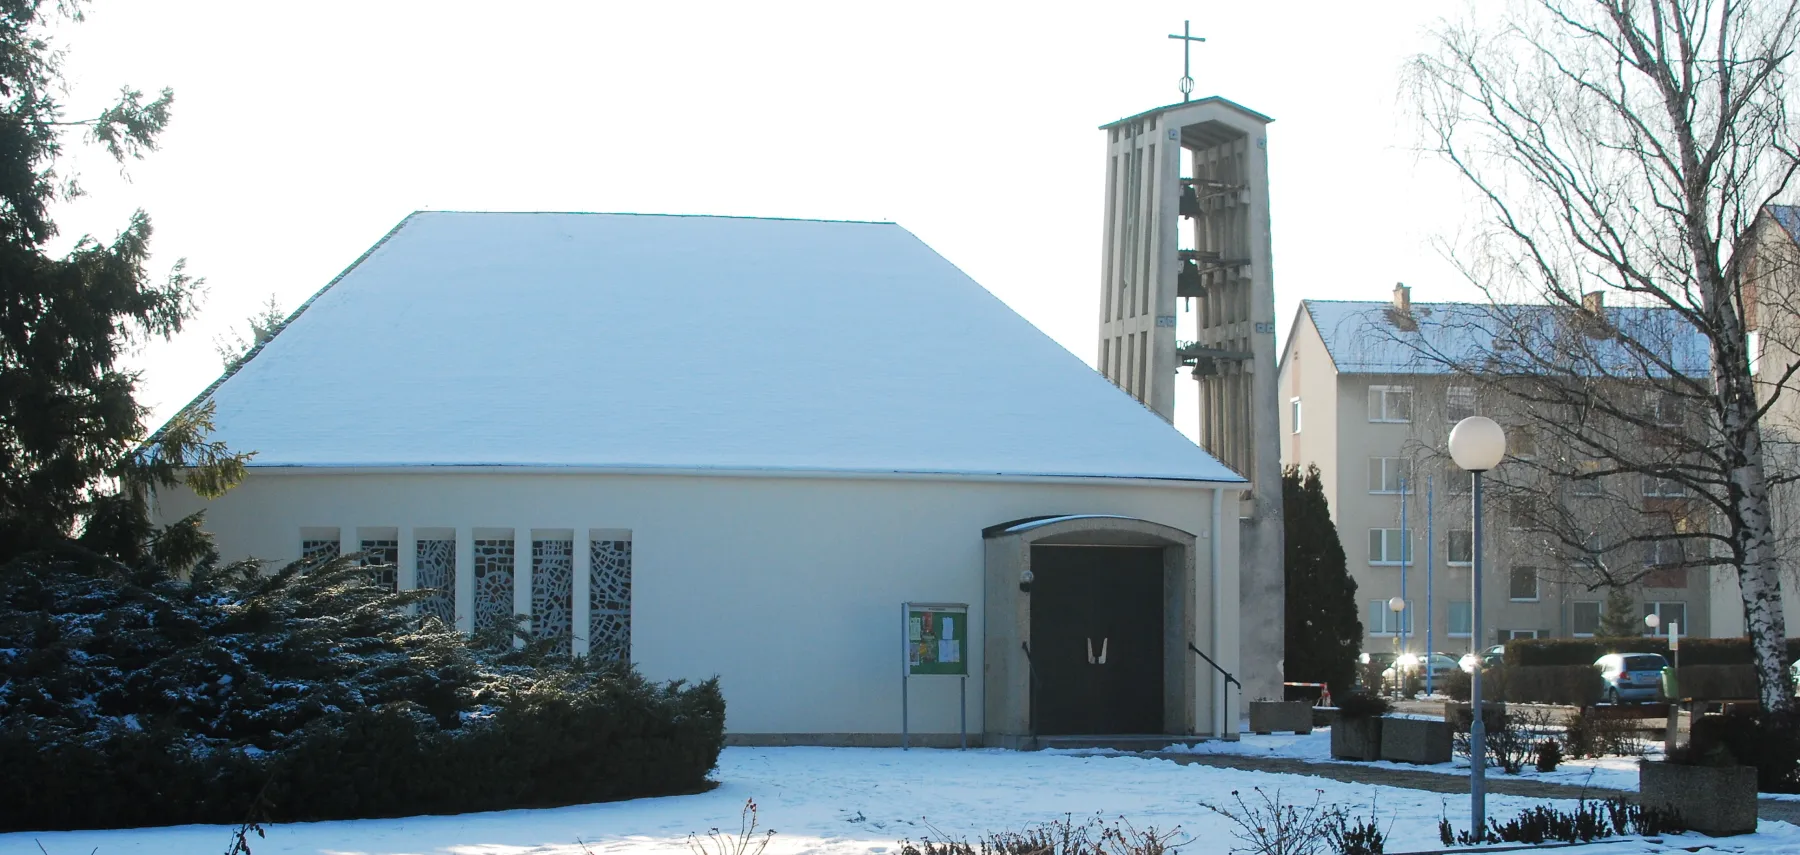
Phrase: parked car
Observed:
(1438, 664)
(1492, 657)
(1635, 677)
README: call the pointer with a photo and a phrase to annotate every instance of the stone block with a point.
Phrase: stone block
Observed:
(1271, 716)
(1715, 800)
(1356, 738)
(1415, 740)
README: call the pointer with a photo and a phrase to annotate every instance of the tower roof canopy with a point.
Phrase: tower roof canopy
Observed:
(618, 341)
(1211, 99)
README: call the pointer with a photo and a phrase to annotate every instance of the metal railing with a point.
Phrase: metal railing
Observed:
(1229, 681)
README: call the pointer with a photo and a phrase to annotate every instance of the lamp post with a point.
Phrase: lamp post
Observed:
(1397, 605)
(1476, 444)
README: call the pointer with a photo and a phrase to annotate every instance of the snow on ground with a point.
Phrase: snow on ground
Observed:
(1605, 773)
(863, 801)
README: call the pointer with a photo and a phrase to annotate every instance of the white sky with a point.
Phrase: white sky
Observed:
(303, 132)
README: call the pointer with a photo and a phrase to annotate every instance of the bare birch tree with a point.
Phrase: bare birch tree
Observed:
(1630, 146)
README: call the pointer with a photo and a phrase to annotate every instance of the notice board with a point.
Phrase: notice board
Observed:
(937, 639)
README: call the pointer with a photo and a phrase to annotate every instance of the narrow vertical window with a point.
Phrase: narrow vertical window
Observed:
(494, 585)
(609, 599)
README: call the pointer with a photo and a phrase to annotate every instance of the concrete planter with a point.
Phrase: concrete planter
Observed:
(1356, 738)
(1716, 800)
(1271, 716)
(1411, 740)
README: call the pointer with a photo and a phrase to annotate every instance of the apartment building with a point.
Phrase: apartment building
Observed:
(1363, 404)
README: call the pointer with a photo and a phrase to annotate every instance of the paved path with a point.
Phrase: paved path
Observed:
(1434, 782)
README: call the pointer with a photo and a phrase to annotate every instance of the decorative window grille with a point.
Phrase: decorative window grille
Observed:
(318, 550)
(609, 599)
(434, 570)
(493, 585)
(552, 588)
(382, 558)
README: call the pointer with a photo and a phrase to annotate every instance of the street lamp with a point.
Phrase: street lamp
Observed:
(1477, 444)
(1397, 605)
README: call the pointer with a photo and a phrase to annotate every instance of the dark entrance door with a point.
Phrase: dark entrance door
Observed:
(1097, 639)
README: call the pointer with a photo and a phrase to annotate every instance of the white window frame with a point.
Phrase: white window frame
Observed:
(1517, 634)
(1294, 413)
(1405, 549)
(1537, 583)
(1469, 623)
(1659, 487)
(1599, 617)
(1450, 555)
(1403, 620)
(1379, 411)
(1400, 468)
(1451, 397)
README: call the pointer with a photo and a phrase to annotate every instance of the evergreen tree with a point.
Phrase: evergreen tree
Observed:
(1324, 634)
(1620, 619)
(72, 457)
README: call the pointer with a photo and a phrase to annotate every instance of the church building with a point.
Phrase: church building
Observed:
(736, 447)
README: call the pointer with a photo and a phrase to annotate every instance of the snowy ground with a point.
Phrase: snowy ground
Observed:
(824, 800)
(1607, 773)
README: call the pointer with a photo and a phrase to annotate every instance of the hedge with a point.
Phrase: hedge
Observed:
(1583, 651)
(584, 740)
(1574, 685)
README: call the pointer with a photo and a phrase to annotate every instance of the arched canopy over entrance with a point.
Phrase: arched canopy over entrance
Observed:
(1088, 619)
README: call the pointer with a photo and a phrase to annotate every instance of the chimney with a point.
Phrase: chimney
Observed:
(1402, 298)
(1594, 302)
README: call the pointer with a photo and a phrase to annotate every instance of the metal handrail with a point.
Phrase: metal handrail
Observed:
(1229, 680)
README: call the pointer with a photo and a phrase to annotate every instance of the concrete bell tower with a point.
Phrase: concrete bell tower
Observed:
(1187, 253)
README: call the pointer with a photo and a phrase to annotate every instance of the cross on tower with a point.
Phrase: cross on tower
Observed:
(1187, 80)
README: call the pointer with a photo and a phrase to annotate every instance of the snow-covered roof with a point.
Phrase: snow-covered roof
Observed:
(622, 341)
(1363, 337)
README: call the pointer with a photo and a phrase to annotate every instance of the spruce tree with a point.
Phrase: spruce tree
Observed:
(1324, 634)
(72, 455)
(1620, 618)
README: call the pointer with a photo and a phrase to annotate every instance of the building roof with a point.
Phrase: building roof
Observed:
(1789, 218)
(644, 342)
(1362, 337)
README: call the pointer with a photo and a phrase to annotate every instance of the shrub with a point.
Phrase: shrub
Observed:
(1769, 742)
(1573, 685)
(1583, 651)
(1549, 755)
(1060, 837)
(1589, 821)
(128, 698)
(1585, 736)
(1455, 685)
(1363, 705)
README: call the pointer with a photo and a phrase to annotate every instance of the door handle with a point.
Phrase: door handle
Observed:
(1103, 643)
(1090, 646)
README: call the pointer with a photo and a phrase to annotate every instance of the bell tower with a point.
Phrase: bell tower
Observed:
(1186, 282)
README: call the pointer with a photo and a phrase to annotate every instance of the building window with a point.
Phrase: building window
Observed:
(552, 588)
(1459, 403)
(1584, 618)
(1506, 635)
(1587, 482)
(1523, 587)
(434, 570)
(1521, 443)
(494, 586)
(1460, 625)
(1389, 546)
(1457, 480)
(1665, 408)
(1390, 403)
(1460, 546)
(1385, 621)
(609, 599)
(1753, 341)
(1669, 613)
(1666, 577)
(1294, 413)
(319, 549)
(1390, 475)
(382, 557)
(1656, 486)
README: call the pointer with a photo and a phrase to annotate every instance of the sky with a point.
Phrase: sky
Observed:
(302, 133)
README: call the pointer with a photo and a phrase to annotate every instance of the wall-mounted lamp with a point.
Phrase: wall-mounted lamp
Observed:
(1026, 577)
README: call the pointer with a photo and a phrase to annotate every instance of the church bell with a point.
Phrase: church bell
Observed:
(1187, 282)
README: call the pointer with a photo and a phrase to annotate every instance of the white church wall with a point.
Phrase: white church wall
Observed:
(787, 588)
